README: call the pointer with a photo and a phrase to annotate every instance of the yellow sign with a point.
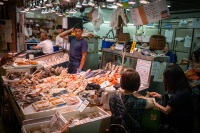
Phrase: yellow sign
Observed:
(133, 47)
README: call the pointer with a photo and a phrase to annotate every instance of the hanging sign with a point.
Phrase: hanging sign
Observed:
(149, 13)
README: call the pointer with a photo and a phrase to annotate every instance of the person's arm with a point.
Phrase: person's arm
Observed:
(155, 95)
(66, 33)
(165, 110)
(57, 41)
(36, 47)
(149, 104)
(82, 60)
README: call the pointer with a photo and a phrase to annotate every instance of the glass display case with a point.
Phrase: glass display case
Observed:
(150, 68)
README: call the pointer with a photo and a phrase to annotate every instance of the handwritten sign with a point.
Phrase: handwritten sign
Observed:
(54, 118)
(83, 105)
(143, 67)
(149, 13)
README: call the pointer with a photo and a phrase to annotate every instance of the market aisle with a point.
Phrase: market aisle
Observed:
(7, 126)
(1, 126)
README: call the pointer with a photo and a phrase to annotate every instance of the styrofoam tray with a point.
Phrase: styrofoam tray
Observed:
(8, 80)
(30, 128)
(95, 125)
(22, 66)
(29, 112)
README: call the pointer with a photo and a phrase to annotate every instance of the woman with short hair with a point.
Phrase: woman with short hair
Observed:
(130, 83)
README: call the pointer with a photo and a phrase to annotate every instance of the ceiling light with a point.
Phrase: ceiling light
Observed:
(96, 6)
(109, 0)
(57, 8)
(53, 10)
(85, 3)
(103, 4)
(1, 3)
(144, 2)
(37, 4)
(113, 6)
(78, 5)
(91, 3)
(48, 3)
(131, 2)
(33, 8)
(168, 6)
(119, 3)
(72, 11)
(55, 2)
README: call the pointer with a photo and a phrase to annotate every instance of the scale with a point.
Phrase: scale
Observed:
(119, 46)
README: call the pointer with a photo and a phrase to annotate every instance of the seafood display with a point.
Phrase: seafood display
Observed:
(15, 75)
(41, 105)
(55, 60)
(57, 87)
(26, 62)
(70, 99)
(56, 101)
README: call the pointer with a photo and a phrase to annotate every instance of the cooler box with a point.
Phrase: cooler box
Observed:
(55, 48)
(106, 44)
(98, 120)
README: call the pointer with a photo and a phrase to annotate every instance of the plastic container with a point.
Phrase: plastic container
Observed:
(55, 48)
(106, 44)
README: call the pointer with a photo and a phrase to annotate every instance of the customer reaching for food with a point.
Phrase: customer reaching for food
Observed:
(177, 110)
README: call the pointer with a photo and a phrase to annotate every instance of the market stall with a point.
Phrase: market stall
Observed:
(49, 89)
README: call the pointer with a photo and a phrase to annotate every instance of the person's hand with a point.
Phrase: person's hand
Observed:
(155, 94)
(78, 71)
(72, 29)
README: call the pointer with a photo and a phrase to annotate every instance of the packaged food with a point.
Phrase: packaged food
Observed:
(70, 100)
(57, 101)
(42, 105)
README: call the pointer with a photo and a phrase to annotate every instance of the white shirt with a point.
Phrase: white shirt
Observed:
(46, 46)
(63, 42)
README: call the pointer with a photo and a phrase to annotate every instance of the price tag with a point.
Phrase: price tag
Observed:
(104, 84)
(66, 126)
(54, 118)
(83, 105)
(133, 47)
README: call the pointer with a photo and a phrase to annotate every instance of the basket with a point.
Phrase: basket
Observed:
(157, 42)
(124, 37)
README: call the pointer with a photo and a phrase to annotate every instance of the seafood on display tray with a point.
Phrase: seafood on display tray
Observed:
(55, 60)
(56, 85)
(41, 105)
(15, 75)
(26, 62)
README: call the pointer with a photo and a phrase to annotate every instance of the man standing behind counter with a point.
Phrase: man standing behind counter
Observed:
(45, 44)
(78, 48)
(61, 42)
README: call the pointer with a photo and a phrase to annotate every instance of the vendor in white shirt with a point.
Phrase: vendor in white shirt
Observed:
(45, 44)
(61, 42)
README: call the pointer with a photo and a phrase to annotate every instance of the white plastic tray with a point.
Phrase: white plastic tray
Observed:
(29, 112)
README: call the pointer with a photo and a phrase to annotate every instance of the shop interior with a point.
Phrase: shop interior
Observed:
(37, 92)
